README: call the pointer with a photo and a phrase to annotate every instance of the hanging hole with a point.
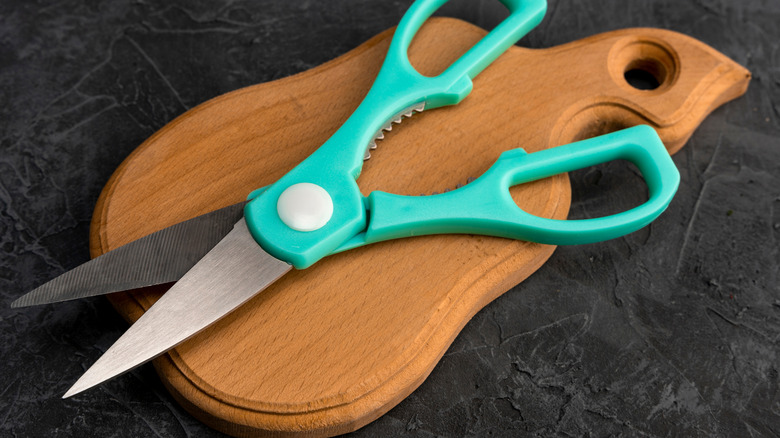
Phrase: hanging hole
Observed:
(643, 65)
(645, 74)
(641, 79)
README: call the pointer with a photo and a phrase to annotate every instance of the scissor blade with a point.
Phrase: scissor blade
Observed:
(229, 275)
(161, 257)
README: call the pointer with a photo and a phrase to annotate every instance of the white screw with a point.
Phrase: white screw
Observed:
(305, 207)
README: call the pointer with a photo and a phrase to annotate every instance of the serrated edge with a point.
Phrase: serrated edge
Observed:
(388, 126)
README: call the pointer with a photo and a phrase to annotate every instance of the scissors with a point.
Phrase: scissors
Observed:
(223, 258)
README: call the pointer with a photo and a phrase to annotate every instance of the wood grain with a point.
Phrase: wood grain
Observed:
(329, 349)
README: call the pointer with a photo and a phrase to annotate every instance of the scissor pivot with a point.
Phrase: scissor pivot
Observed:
(305, 207)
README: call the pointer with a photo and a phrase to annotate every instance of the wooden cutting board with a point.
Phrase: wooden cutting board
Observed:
(329, 349)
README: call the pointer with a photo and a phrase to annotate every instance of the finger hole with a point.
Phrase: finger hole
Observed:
(444, 36)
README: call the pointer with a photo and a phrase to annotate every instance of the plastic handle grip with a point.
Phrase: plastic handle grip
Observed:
(337, 163)
(485, 206)
(454, 83)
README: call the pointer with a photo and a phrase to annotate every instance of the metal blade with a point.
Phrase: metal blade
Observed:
(161, 257)
(230, 274)
(388, 126)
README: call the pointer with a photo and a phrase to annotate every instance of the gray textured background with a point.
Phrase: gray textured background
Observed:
(672, 330)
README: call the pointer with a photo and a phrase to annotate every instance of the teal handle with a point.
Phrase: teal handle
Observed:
(454, 83)
(485, 206)
(337, 163)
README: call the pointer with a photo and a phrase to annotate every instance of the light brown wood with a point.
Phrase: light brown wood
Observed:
(331, 348)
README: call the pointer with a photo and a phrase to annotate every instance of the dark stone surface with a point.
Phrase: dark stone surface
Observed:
(672, 330)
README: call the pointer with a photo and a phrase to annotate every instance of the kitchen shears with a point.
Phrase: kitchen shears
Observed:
(317, 209)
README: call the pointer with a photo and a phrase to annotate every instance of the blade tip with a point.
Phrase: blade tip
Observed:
(25, 300)
(73, 391)
(85, 382)
(21, 302)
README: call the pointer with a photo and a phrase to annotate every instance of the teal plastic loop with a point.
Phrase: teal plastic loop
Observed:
(454, 83)
(485, 206)
(337, 163)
